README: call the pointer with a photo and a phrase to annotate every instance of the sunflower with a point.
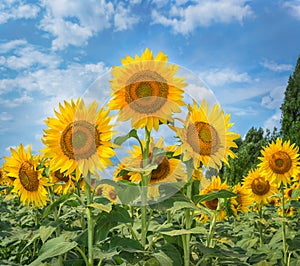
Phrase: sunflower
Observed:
(214, 186)
(29, 184)
(274, 201)
(287, 211)
(280, 161)
(108, 192)
(288, 192)
(242, 201)
(146, 90)
(169, 170)
(63, 183)
(79, 139)
(205, 137)
(260, 187)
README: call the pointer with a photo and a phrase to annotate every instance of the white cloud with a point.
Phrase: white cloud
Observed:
(27, 56)
(73, 22)
(293, 7)
(219, 77)
(274, 98)
(16, 9)
(4, 116)
(17, 101)
(241, 111)
(273, 66)
(185, 19)
(11, 45)
(123, 20)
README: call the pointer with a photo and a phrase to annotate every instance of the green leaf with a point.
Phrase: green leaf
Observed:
(179, 205)
(57, 202)
(46, 232)
(53, 247)
(295, 193)
(126, 244)
(196, 230)
(102, 207)
(121, 139)
(163, 259)
(214, 195)
(172, 253)
(127, 193)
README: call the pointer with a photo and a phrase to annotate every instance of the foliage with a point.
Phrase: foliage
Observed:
(247, 153)
(290, 120)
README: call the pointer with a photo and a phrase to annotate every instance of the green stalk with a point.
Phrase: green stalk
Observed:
(212, 228)
(285, 248)
(57, 230)
(89, 220)
(144, 183)
(188, 215)
(260, 224)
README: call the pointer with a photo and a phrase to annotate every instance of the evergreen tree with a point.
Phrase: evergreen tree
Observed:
(247, 153)
(290, 118)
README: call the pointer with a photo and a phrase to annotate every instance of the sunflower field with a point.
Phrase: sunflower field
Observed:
(165, 201)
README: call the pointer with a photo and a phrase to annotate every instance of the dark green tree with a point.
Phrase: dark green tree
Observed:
(247, 153)
(290, 118)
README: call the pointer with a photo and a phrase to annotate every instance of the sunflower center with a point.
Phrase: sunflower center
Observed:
(80, 140)
(280, 162)
(161, 172)
(203, 138)
(60, 176)
(28, 176)
(112, 195)
(147, 92)
(99, 190)
(260, 186)
(212, 204)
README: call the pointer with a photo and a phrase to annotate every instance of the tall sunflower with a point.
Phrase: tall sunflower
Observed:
(146, 90)
(280, 161)
(260, 187)
(29, 184)
(79, 139)
(206, 137)
(214, 186)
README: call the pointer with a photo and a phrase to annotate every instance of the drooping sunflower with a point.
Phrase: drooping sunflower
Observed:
(146, 90)
(169, 170)
(29, 184)
(79, 139)
(280, 161)
(63, 184)
(260, 187)
(206, 137)
(108, 192)
(287, 211)
(242, 201)
(288, 192)
(214, 186)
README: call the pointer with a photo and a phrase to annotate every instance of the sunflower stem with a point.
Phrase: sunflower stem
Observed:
(260, 224)
(188, 215)
(213, 224)
(285, 248)
(56, 217)
(144, 183)
(89, 220)
(211, 229)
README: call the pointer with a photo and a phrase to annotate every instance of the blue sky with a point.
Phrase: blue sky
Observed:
(53, 50)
